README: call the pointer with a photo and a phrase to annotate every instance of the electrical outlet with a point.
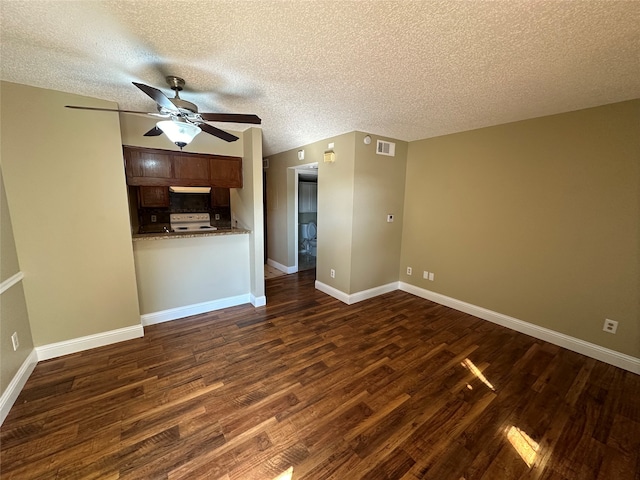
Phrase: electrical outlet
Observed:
(390, 218)
(431, 276)
(15, 341)
(217, 216)
(409, 271)
(333, 273)
(610, 326)
(154, 219)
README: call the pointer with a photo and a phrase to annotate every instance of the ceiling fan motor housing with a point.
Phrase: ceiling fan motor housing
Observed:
(177, 84)
(183, 104)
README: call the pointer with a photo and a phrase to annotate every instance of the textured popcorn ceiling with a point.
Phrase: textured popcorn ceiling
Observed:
(314, 69)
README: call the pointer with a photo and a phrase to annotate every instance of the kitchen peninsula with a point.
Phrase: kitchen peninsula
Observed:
(205, 268)
(175, 235)
(183, 274)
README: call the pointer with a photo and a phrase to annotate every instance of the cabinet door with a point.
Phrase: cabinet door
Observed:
(303, 197)
(226, 172)
(191, 168)
(307, 197)
(140, 163)
(220, 197)
(153, 196)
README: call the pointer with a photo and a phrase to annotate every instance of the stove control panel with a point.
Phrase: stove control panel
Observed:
(189, 217)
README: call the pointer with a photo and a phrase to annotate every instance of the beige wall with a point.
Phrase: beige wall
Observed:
(66, 192)
(355, 194)
(280, 187)
(538, 219)
(246, 208)
(13, 307)
(378, 191)
(9, 265)
(181, 272)
(335, 208)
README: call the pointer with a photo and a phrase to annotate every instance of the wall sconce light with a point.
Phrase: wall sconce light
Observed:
(329, 156)
(300, 154)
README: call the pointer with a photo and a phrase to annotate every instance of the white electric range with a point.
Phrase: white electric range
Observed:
(190, 222)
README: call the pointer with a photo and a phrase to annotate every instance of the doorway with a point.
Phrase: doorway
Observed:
(307, 216)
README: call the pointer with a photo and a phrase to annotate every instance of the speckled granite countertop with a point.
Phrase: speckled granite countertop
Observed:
(172, 235)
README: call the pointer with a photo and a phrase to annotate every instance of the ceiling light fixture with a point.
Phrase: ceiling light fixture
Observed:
(179, 131)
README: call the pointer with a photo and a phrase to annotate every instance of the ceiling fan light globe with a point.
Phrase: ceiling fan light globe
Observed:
(180, 133)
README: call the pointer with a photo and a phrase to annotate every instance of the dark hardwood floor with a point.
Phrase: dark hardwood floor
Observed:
(395, 387)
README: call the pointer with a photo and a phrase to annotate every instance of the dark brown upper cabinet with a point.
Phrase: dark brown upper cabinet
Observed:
(191, 168)
(148, 164)
(226, 172)
(153, 167)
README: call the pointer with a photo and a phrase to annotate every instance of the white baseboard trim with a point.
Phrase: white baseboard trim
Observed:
(372, 292)
(258, 301)
(80, 344)
(16, 385)
(621, 360)
(350, 299)
(195, 309)
(282, 268)
(334, 292)
(11, 281)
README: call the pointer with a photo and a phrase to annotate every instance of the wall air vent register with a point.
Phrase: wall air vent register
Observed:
(386, 148)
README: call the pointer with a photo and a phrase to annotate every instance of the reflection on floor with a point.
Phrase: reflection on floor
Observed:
(306, 262)
(272, 272)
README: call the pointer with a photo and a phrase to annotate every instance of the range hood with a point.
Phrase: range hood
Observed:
(190, 189)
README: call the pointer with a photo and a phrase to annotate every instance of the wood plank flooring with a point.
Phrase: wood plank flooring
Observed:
(395, 387)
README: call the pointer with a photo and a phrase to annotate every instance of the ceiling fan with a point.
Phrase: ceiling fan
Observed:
(182, 119)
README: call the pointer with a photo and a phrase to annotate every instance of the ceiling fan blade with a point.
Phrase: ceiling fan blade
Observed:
(159, 97)
(154, 132)
(231, 117)
(211, 130)
(108, 110)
